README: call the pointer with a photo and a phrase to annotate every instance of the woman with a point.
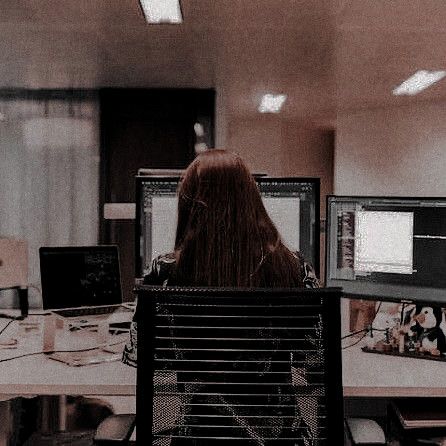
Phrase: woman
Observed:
(224, 237)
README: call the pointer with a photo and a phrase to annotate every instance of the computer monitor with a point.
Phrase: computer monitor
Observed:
(387, 248)
(292, 203)
(80, 276)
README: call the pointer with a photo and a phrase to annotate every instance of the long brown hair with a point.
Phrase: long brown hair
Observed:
(224, 235)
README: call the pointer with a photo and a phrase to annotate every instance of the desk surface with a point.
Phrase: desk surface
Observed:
(40, 375)
(375, 375)
(364, 374)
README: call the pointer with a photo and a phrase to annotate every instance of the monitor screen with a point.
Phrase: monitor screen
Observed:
(292, 203)
(80, 276)
(387, 247)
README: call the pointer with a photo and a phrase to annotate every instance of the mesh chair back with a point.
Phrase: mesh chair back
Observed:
(251, 367)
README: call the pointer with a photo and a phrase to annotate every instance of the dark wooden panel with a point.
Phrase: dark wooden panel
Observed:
(144, 128)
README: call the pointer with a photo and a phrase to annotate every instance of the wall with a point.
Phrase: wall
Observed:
(392, 151)
(276, 146)
(279, 147)
(282, 148)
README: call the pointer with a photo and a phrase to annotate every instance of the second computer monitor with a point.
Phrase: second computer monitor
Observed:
(292, 203)
(387, 247)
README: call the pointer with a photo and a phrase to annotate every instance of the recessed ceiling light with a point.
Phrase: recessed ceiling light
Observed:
(418, 82)
(162, 11)
(272, 103)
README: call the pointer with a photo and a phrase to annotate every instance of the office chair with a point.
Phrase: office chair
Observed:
(239, 366)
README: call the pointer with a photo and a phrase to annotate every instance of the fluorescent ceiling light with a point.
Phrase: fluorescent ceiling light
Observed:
(418, 82)
(162, 11)
(272, 103)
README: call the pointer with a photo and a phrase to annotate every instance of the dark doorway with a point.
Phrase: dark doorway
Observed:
(144, 128)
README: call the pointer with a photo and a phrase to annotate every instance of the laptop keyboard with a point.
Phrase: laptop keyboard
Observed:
(87, 311)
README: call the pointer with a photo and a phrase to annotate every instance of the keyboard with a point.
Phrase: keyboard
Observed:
(87, 311)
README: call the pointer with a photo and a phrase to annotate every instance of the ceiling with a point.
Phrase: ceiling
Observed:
(326, 55)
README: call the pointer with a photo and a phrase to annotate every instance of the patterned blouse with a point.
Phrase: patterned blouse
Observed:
(159, 274)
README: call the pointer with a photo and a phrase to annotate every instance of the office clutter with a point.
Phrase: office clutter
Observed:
(98, 339)
(81, 342)
(417, 331)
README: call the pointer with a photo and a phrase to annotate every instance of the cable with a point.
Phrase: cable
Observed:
(355, 333)
(356, 342)
(21, 318)
(363, 336)
(376, 311)
(6, 326)
(8, 316)
(21, 356)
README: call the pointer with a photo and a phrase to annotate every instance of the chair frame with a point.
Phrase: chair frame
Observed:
(330, 311)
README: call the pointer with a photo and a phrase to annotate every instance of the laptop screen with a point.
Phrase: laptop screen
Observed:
(80, 276)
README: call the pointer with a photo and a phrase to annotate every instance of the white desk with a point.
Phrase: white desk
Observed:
(377, 375)
(40, 375)
(364, 374)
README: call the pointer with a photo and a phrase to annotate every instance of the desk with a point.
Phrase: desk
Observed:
(40, 375)
(364, 375)
(375, 375)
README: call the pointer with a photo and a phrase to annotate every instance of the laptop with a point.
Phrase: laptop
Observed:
(82, 285)
(79, 281)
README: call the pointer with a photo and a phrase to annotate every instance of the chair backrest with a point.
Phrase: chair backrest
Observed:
(239, 366)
